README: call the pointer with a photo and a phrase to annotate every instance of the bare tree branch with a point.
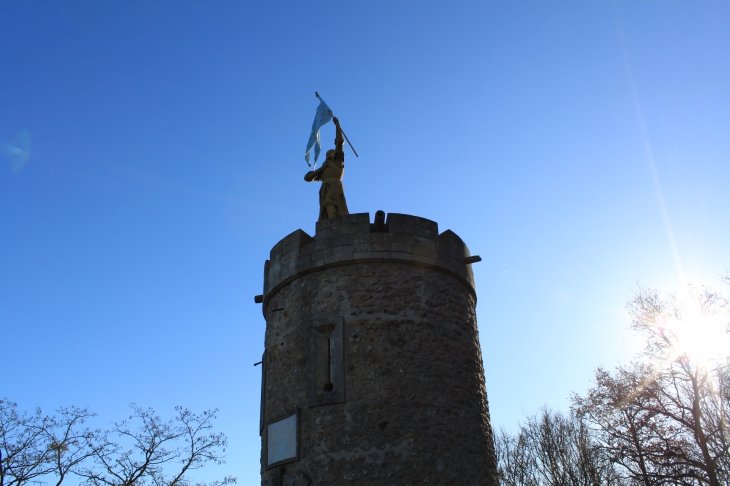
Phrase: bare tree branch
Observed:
(156, 452)
(143, 450)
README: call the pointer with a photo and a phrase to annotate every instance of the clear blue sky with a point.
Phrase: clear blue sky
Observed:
(578, 147)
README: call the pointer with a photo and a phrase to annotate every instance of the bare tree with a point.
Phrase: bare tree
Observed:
(157, 453)
(722, 417)
(515, 462)
(622, 409)
(35, 446)
(68, 442)
(553, 449)
(664, 418)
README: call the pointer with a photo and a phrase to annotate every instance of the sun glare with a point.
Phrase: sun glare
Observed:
(699, 334)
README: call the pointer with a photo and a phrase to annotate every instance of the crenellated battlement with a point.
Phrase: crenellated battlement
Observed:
(351, 239)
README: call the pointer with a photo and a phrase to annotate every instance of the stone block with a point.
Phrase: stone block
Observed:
(412, 229)
(290, 243)
(451, 243)
(368, 237)
(381, 245)
(357, 255)
(339, 240)
(308, 248)
(428, 260)
(407, 219)
(405, 240)
(349, 229)
(425, 247)
(397, 255)
(350, 219)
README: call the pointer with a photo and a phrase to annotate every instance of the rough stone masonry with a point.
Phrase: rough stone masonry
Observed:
(372, 373)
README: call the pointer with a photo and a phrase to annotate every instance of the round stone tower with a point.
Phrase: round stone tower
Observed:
(372, 371)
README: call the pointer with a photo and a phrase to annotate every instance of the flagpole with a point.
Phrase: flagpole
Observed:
(348, 142)
(343, 132)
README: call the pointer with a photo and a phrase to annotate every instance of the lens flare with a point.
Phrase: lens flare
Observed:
(17, 151)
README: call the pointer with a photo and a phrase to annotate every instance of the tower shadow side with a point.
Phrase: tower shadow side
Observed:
(373, 370)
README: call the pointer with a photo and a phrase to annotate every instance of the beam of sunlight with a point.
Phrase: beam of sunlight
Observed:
(650, 158)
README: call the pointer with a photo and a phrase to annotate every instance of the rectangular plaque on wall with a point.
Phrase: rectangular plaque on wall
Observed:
(282, 440)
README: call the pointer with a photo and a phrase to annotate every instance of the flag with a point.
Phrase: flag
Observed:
(321, 117)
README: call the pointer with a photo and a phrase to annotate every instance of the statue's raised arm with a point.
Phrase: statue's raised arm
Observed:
(332, 203)
(339, 156)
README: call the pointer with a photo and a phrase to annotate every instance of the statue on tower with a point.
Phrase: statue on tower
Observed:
(332, 203)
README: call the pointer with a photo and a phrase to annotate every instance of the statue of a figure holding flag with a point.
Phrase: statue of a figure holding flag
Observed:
(332, 203)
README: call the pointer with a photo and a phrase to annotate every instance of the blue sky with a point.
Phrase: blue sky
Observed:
(578, 147)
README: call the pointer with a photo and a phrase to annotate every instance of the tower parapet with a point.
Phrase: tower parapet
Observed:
(353, 239)
(372, 373)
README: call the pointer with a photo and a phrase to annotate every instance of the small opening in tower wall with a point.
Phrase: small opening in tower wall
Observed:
(326, 365)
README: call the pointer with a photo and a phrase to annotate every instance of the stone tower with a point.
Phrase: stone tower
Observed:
(372, 371)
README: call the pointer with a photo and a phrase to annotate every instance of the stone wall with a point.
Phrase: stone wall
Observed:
(371, 339)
